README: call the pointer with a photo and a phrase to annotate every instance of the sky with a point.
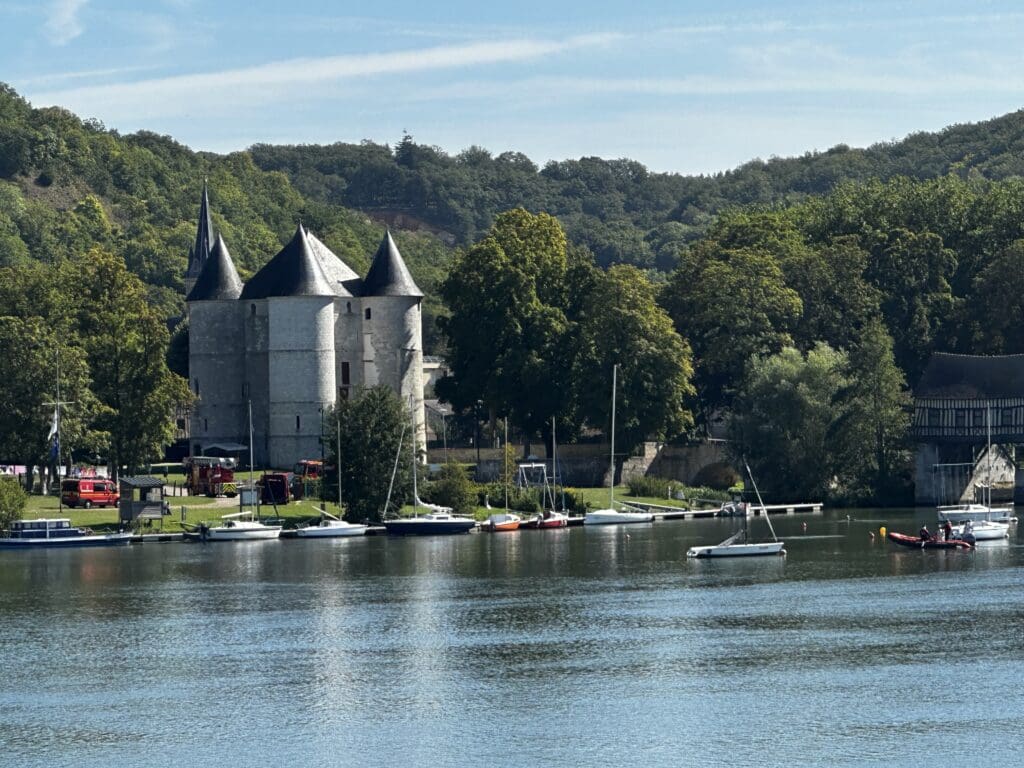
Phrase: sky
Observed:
(690, 87)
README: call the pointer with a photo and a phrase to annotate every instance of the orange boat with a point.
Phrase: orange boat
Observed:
(504, 521)
(548, 519)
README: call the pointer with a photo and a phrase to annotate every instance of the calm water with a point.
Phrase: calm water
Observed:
(581, 647)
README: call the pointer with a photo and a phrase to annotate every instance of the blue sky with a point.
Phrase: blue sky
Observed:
(680, 86)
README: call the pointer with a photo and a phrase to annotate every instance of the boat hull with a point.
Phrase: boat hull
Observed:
(331, 532)
(68, 542)
(984, 531)
(615, 517)
(769, 548)
(913, 542)
(499, 527)
(428, 528)
(250, 534)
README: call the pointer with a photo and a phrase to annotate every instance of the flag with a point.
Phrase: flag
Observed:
(53, 425)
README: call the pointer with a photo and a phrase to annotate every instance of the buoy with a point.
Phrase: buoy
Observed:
(881, 531)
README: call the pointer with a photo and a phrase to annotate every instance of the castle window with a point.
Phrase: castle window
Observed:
(367, 313)
(345, 373)
(252, 309)
(197, 386)
(348, 307)
(298, 423)
(206, 425)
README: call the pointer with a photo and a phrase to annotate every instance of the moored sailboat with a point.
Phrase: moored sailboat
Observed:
(736, 545)
(611, 515)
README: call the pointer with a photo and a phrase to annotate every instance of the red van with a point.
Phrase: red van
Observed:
(88, 493)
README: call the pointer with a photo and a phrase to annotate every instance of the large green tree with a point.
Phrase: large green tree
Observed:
(372, 424)
(126, 345)
(781, 421)
(622, 324)
(507, 329)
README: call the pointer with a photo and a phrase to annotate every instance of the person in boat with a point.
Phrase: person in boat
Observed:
(923, 534)
(947, 531)
(968, 528)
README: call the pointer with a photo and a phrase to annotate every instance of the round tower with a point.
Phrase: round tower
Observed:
(392, 324)
(216, 357)
(298, 299)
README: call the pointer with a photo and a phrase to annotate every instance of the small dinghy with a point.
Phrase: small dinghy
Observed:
(916, 542)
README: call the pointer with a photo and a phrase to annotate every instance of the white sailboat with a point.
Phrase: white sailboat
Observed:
(612, 516)
(330, 527)
(244, 525)
(735, 545)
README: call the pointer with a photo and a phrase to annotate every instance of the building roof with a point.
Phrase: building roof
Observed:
(294, 271)
(199, 252)
(219, 279)
(388, 275)
(343, 278)
(972, 377)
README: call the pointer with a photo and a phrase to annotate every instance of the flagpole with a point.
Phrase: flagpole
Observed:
(55, 432)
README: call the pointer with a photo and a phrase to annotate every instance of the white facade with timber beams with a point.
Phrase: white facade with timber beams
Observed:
(302, 333)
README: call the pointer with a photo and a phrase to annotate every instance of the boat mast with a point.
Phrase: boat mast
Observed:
(611, 478)
(412, 443)
(554, 464)
(988, 454)
(252, 486)
(504, 467)
(337, 457)
(394, 469)
(760, 501)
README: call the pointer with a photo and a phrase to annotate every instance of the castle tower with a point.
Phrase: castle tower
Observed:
(200, 251)
(216, 354)
(393, 329)
(347, 317)
(288, 308)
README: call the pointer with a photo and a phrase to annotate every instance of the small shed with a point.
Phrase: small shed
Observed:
(141, 498)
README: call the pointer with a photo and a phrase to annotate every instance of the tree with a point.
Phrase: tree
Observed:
(622, 324)
(126, 344)
(12, 502)
(870, 434)
(782, 418)
(373, 422)
(730, 304)
(507, 329)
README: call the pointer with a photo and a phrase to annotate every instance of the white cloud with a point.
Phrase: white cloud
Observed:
(247, 85)
(62, 22)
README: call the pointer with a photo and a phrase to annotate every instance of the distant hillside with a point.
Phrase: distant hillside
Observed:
(623, 212)
(68, 184)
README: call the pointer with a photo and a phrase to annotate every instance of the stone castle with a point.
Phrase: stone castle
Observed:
(300, 335)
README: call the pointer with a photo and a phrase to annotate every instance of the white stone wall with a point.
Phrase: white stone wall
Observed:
(348, 341)
(253, 315)
(216, 372)
(301, 375)
(393, 350)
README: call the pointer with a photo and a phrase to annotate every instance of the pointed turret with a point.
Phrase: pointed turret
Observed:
(388, 275)
(343, 279)
(294, 271)
(219, 279)
(200, 251)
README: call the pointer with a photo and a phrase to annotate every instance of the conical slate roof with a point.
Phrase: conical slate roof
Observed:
(343, 279)
(388, 275)
(200, 252)
(294, 271)
(219, 278)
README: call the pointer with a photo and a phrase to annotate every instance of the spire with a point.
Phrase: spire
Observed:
(388, 275)
(219, 279)
(294, 271)
(200, 251)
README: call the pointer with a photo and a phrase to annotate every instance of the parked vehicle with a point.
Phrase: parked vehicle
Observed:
(275, 487)
(88, 493)
(210, 476)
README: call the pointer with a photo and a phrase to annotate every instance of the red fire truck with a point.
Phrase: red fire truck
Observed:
(210, 476)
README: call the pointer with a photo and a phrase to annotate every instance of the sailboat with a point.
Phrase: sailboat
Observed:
(988, 522)
(735, 545)
(612, 516)
(440, 521)
(550, 518)
(503, 521)
(244, 525)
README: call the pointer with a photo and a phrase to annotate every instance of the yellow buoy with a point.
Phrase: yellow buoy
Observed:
(881, 531)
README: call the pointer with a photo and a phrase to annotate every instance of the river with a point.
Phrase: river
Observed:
(574, 647)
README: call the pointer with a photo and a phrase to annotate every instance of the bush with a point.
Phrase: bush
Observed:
(12, 501)
(574, 501)
(454, 489)
(652, 487)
